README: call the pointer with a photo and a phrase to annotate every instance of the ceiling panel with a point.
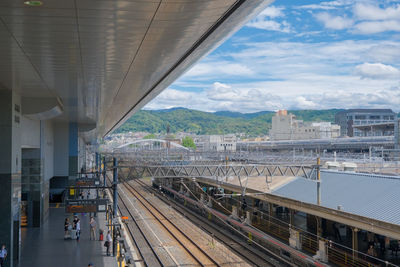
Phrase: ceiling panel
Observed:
(105, 59)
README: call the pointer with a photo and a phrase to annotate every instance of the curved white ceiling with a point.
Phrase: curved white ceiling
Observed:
(105, 59)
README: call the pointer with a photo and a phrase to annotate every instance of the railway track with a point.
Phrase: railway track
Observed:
(146, 252)
(200, 256)
(247, 252)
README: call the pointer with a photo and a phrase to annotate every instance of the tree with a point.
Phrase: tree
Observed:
(188, 142)
(150, 136)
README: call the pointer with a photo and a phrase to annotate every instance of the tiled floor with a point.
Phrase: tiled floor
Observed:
(45, 246)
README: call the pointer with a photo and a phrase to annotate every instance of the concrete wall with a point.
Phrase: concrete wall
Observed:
(10, 172)
(30, 133)
(47, 145)
(61, 148)
(81, 153)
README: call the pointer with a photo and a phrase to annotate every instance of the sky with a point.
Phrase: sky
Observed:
(301, 54)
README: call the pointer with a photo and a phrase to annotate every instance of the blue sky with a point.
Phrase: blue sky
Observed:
(300, 55)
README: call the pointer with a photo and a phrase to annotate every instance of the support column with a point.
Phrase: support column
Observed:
(354, 238)
(10, 173)
(115, 186)
(291, 217)
(97, 162)
(319, 227)
(73, 150)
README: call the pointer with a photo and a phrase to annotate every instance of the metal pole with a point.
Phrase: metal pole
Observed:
(294, 154)
(115, 202)
(104, 173)
(370, 154)
(115, 188)
(99, 164)
(96, 155)
(318, 181)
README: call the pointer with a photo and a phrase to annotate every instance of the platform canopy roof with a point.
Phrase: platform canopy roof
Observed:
(369, 195)
(96, 62)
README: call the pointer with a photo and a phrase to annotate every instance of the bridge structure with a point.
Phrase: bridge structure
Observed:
(217, 172)
(149, 144)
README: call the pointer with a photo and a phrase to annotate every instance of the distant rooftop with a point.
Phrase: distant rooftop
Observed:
(365, 111)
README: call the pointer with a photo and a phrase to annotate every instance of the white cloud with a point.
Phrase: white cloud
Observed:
(219, 68)
(367, 17)
(348, 99)
(385, 52)
(271, 12)
(270, 25)
(370, 27)
(264, 20)
(371, 12)
(222, 92)
(327, 5)
(246, 101)
(334, 22)
(170, 98)
(292, 75)
(377, 71)
(303, 103)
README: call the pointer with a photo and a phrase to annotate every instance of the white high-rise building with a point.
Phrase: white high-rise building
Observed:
(286, 127)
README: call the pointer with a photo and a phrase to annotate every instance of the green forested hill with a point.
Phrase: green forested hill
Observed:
(222, 122)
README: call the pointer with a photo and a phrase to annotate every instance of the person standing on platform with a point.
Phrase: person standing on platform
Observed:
(92, 228)
(108, 242)
(3, 255)
(78, 230)
(66, 226)
(75, 221)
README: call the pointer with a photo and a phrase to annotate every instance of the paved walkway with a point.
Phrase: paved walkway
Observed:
(46, 246)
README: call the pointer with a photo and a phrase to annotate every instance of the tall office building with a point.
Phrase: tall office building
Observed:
(365, 122)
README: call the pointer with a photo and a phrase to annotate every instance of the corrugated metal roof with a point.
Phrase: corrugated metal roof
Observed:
(372, 196)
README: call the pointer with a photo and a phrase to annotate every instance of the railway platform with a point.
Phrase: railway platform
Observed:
(46, 246)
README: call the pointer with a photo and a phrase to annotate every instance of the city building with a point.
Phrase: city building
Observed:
(366, 122)
(286, 127)
(219, 143)
(327, 129)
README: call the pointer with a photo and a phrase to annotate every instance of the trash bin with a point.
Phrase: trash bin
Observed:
(101, 235)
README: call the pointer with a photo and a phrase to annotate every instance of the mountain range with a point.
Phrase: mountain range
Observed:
(220, 122)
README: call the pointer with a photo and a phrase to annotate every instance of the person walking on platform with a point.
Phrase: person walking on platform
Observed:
(107, 244)
(92, 228)
(78, 230)
(75, 221)
(3, 255)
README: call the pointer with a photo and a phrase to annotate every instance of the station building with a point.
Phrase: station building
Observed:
(72, 72)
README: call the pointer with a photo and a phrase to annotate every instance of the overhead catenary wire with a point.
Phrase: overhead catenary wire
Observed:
(233, 228)
(290, 226)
